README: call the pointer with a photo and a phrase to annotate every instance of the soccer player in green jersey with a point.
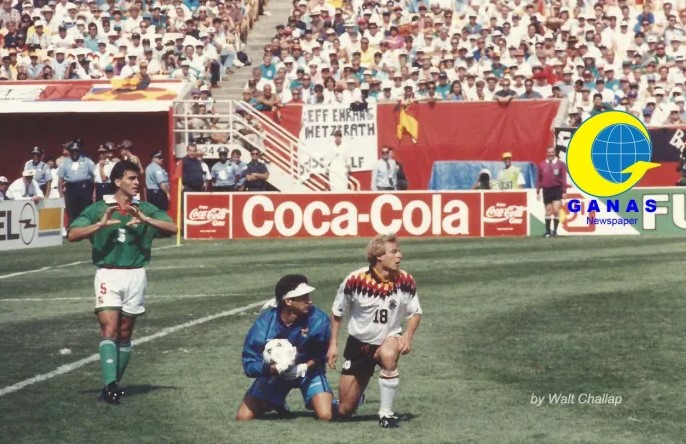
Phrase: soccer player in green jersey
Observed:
(121, 230)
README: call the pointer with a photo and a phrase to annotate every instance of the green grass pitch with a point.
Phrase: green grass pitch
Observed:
(504, 319)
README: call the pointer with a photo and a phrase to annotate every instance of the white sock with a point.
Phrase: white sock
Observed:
(387, 389)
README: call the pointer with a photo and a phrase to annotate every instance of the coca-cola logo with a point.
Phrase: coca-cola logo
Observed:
(203, 214)
(501, 212)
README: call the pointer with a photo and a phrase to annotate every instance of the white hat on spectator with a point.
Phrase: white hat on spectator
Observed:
(112, 33)
(302, 3)
(473, 36)
(350, 80)
(677, 91)
(211, 30)
(658, 91)
(679, 99)
(80, 22)
(289, 59)
(4, 179)
(185, 63)
(60, 51)
(679, 58)
(349, 24)
(314, 63)
(566, 27)
(202, 35)
(324, 66)
(560, 47)
(364, 86)
(316, 11)
(28, 173)
(330, 31)
(651, 100)
(204, 88)
(39, 23)
(70, 5)
(672, 107)
(623, 23)
(316, 45)
(651, 39)
(46, 8)
(386, 84)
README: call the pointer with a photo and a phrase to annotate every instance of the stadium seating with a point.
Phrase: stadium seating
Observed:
(621, 56)
(195, 40)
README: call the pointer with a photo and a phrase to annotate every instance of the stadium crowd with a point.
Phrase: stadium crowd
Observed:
(195, 40)
(601, 55)
(604, 55)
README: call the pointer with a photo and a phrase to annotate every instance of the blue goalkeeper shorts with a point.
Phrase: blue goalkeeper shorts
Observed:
(274, 389)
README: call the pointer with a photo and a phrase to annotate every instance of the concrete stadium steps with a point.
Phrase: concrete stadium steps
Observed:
(264, 29)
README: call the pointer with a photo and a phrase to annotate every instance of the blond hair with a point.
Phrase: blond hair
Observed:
(377, 246)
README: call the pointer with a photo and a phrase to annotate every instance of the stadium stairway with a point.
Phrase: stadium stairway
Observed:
(264, 29)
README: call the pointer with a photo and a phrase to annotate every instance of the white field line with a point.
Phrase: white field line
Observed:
(153, 296)
(94, 357)
(20, 273)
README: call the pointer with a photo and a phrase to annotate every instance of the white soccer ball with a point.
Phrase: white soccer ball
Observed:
(279, 352)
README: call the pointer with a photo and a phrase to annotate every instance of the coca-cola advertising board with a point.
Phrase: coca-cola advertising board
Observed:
(207, 215)
(364, 214)
(505, 214)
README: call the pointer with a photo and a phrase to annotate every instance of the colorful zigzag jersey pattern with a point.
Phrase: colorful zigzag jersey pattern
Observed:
(365, 282)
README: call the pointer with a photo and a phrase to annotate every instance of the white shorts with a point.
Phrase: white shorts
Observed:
(120, 289)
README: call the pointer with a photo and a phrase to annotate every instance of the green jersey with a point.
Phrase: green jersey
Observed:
(119, 245)
(509, 179)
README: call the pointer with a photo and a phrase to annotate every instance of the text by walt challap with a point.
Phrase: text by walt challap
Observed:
(539, 400)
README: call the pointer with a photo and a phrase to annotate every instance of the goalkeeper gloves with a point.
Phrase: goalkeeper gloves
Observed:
(281, 367)
(296, 371)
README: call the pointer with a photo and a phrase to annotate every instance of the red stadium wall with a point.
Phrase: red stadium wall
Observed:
(457, 131)
(21, 132)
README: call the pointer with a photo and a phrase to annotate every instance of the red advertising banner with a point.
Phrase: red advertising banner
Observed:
(465, 131)
(207, 215)
(364, 214)
(505, 214)
(409, 214)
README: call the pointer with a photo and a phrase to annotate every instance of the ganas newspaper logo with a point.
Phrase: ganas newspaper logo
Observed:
(607, 156)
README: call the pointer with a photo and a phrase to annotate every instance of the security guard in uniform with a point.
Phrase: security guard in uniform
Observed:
(157, 182)
(224, 172)
(42, 173)
(102, 174)
(76, 179)
(240, 168)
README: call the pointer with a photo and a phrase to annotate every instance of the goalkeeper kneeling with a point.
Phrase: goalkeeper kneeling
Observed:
(281, 368)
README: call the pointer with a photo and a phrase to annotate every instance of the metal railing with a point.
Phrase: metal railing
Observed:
(279, 147)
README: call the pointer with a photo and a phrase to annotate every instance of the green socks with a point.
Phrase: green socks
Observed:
(108, 361)
(124, 353)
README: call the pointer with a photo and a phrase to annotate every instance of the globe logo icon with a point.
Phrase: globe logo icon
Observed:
(617, 147)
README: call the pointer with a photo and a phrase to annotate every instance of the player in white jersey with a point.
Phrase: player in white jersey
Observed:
(378, 297)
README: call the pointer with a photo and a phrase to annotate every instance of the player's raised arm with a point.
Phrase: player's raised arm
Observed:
(83, 227)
